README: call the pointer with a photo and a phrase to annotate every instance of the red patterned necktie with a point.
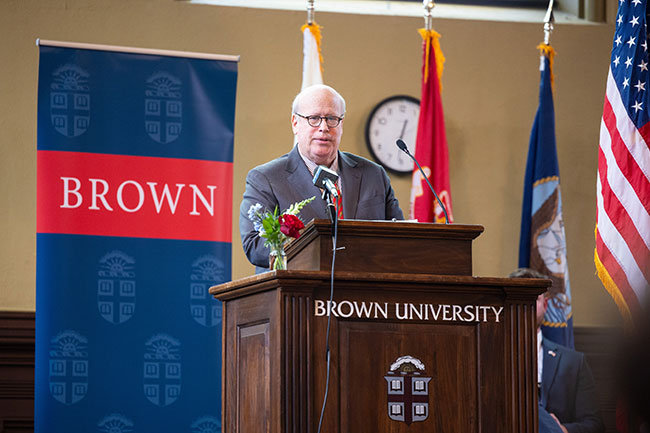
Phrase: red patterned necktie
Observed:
(339, 202)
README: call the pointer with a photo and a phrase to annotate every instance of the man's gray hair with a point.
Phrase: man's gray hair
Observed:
(296, 100)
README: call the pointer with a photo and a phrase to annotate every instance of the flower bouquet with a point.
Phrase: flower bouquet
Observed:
(277, 228)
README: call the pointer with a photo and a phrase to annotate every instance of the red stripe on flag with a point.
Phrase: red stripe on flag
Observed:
(624, 159)
(617, 274)
(133, 196)
(621, 219)
(645, 133)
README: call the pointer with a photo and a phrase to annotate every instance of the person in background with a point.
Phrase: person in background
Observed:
(567, 393)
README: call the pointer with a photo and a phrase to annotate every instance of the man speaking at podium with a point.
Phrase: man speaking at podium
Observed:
(317, 121)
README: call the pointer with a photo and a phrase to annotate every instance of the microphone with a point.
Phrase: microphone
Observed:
(325, 178)
(402, 146)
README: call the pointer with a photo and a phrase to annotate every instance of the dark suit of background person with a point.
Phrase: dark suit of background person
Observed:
(366, 190)
(567, 390)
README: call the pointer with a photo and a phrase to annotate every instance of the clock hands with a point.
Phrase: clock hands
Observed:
(401, 134)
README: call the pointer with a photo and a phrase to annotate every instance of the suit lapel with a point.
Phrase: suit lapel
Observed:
(300, 181)
(549, 370)
(351, 180)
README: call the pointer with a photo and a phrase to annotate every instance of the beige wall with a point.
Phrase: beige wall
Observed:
(490, 97)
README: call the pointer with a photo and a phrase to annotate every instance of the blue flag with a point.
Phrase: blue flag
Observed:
(542, 244)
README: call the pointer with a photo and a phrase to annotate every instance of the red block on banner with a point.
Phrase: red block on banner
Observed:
(134, 196)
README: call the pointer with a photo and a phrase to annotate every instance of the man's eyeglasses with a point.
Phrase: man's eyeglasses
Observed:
(314, 121)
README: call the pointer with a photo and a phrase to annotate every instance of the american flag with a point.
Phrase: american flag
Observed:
(622, 254)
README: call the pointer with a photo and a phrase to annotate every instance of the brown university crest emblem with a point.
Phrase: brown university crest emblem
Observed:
(408, 390)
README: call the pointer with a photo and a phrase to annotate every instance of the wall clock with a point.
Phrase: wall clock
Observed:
(394, 117)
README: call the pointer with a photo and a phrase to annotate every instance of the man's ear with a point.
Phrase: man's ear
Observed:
(294, 124)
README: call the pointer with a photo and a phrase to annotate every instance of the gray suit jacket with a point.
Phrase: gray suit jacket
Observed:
(367, 194)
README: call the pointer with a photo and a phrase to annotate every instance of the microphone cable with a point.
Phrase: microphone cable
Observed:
(329, 320)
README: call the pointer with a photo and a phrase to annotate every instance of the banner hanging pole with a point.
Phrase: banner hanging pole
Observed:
(119, 49)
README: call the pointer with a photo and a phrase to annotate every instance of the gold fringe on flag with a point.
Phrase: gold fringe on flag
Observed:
(549, 52)
(613, 290)
(558, 324)
(431, 38)
(315, 29)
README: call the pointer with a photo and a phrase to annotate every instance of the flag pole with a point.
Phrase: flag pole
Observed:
(548, 23)
(428, 19)
(310, 12)
(545, 48)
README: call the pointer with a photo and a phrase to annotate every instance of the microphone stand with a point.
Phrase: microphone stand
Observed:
(334, 218)
(402, 146)
(331, 207)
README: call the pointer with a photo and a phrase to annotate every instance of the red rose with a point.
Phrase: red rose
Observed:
(290, 225)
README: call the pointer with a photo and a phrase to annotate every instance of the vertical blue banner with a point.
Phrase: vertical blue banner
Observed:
(134, 222)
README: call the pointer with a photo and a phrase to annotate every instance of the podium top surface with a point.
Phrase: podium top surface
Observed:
(299, 280)
(385, 246)
(395, 228)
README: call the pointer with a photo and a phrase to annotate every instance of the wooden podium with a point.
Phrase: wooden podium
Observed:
(417, 343)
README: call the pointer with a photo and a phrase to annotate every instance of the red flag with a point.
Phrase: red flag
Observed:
(431, 144)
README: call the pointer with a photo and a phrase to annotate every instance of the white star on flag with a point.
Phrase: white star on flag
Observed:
(636, 2)
(643, 66)
(617, 60)
(618, 40)
(637, 106)
(635, 21)
(626, 82)
(619, 21)
(628, 62)
(631, 41)
(640, 86)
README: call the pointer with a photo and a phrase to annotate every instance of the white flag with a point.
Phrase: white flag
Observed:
(311, 66)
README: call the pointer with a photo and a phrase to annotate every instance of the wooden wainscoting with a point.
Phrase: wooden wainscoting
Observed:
(599, 346)
(16, 372)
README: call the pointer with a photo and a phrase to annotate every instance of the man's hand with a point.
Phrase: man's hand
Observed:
(564, 430)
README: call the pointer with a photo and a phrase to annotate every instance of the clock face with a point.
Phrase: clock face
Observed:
(392, 119)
